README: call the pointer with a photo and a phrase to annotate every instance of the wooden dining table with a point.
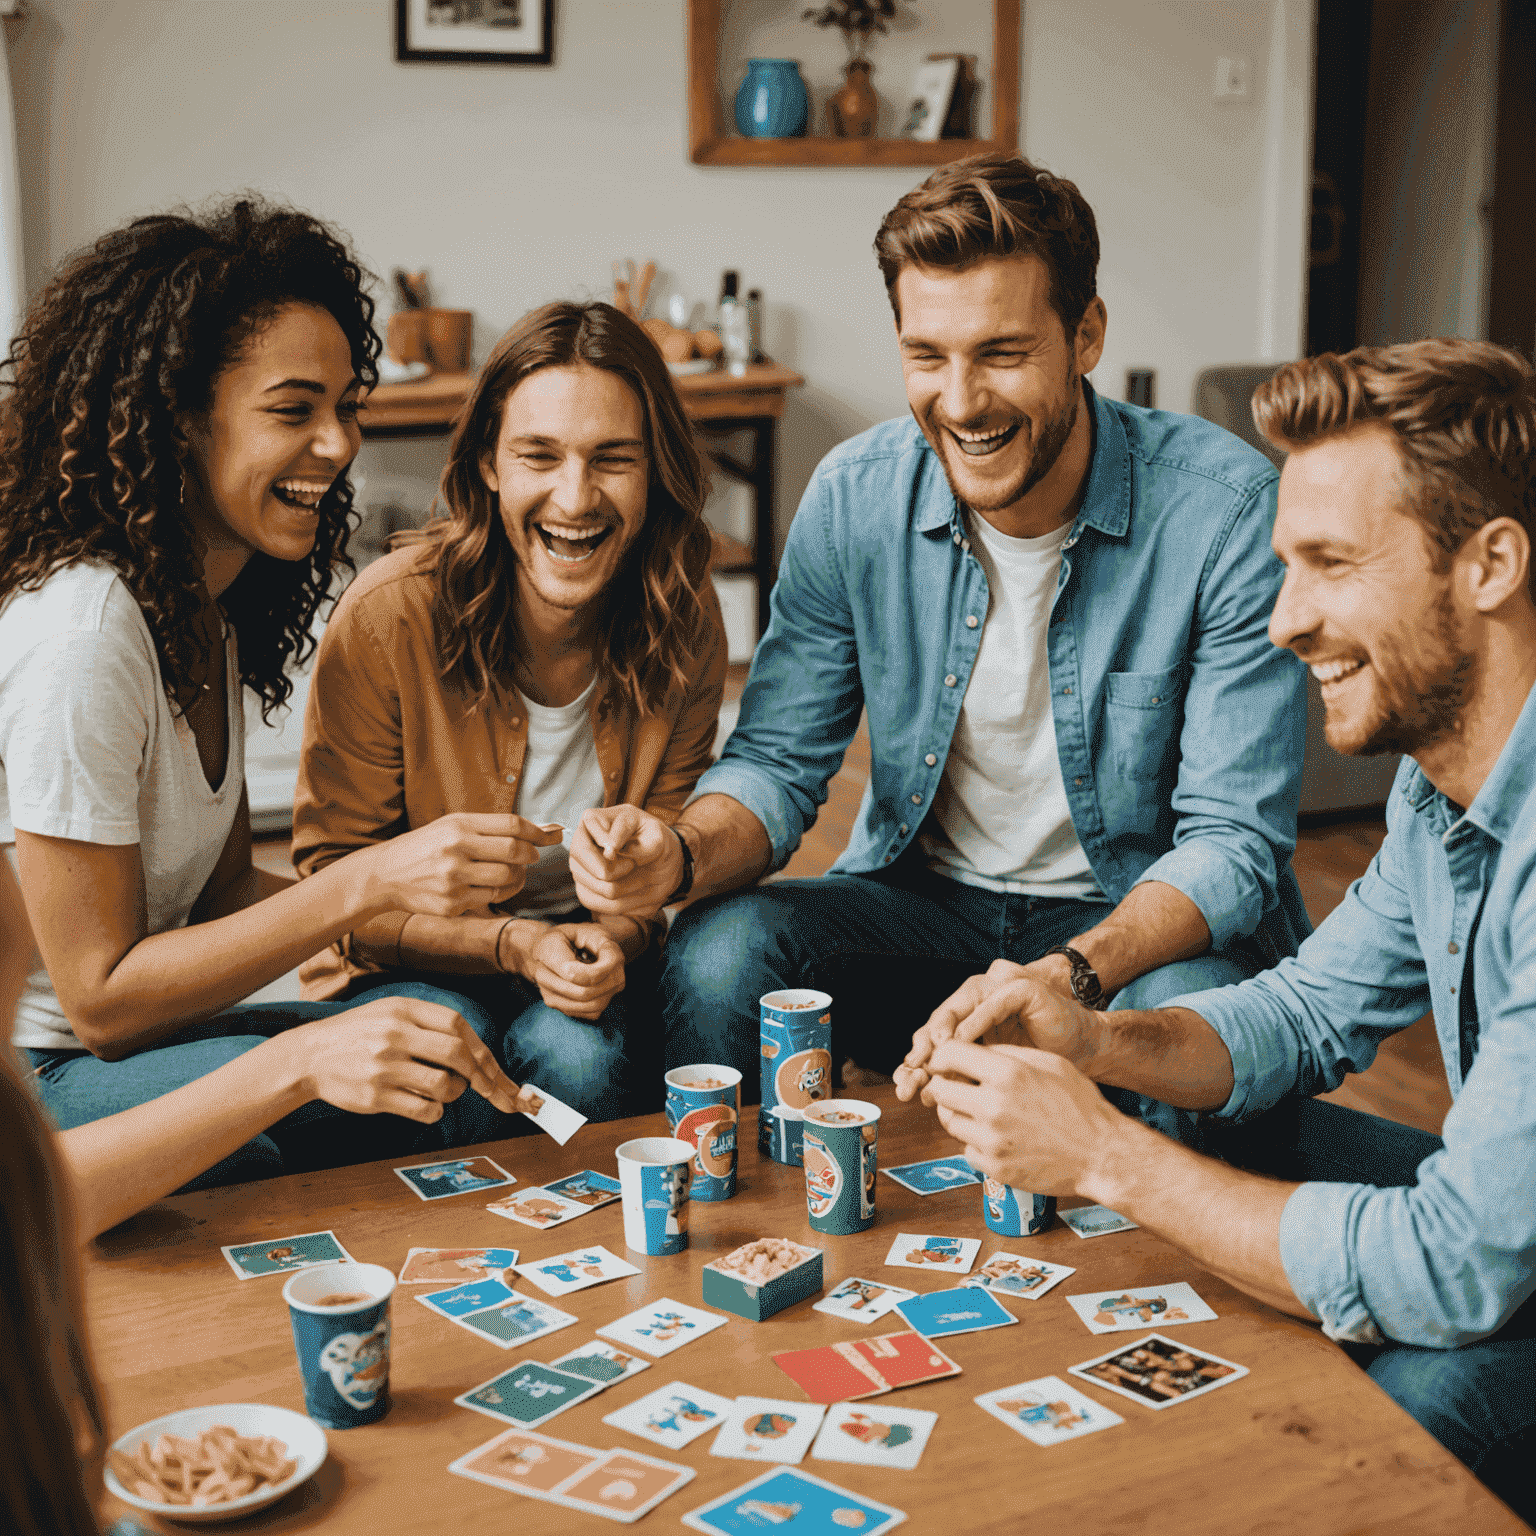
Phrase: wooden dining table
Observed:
(1305, 1443)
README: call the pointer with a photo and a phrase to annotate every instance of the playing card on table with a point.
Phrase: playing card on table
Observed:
(624, 1485)
(787, 1496)
(672, 1416)
(831, 1373)
(1012, 1274)
(528, 1394)
(927, 1250)
(662, 1326)
(767, 1429)
(874, 1436)
(588, 1188)
(576, 1270)
(1096, 1221)
(935, 1175)
(283, 1255)
(537, 1207)
(1159, 1372)
(1047, 1411)
(460, 1176)
(601, 1362)
(1138, 1305)
(523, 1462)
(861, 1301)
(940, 1314)
(552, 1116)
(518, 1321)
(448, 1266)
(472, 1296)
(905, 1358)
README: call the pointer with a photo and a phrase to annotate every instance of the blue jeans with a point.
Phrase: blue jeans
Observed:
(76, 1087)
(1478, 1401)
(889, 947)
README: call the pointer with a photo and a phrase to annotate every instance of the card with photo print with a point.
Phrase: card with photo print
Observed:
(1158, 1372)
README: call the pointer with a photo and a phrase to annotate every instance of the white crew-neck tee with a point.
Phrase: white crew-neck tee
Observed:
(561, 779)
(1000, 819)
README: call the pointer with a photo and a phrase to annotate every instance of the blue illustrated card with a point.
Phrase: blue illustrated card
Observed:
(459, 1300)
(796, 1499)
(940, 1314)
(461, 1176)
(935, 1175)
(518, 1321)
(588, 1188)
(528, 1395)
(283, 1255)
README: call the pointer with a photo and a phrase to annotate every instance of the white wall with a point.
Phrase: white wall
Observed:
(514, 186)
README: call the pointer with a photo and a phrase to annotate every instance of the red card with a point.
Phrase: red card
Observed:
(906, 1358)
(834, 1373)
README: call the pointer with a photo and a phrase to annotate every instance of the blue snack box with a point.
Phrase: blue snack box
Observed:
(730, 1293)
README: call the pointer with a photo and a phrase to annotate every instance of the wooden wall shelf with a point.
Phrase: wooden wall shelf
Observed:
(711, 143)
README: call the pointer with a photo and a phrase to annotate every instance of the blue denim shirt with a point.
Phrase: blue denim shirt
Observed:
(1179, 727)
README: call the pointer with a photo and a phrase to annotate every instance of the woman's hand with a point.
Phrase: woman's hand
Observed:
(401, 1056)
(459, 863)
(625, 861)
(577, 967)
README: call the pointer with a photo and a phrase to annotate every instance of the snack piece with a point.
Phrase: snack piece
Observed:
(707, 343)
(210, 1468)
(761, 1261)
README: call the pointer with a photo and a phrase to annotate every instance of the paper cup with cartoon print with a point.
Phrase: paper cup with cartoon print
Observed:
(654, 1174)
(795, 1041)
(703, 1107)
(340, 1318)
(841, 1143)
(1014, 1212)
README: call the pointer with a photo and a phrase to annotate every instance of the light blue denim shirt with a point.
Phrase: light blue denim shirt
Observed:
(1447, 1261)
(1179, 727)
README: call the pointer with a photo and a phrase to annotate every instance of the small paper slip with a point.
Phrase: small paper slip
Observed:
(662, 1326)
(942, 1314)
(1158, 1372)
(552, 1117)
(861, 1301)
(1011, 1274)
(619, 1485)
(450, 1266)
(874, 1436)
(528, 1395)
(673, 1416)
(283, 1255)
(1095, 1221)
(537, 1207)
(576, 1270)
(785, 1495)
(929, 1250)
(934, 1176)
(1047, 1411)
(1138, 1306)
(768, 1429)
(461, 1176)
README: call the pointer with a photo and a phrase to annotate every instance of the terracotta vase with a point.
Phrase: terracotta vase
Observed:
(852, 110)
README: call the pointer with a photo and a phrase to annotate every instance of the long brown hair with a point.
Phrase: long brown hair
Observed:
(653, 615)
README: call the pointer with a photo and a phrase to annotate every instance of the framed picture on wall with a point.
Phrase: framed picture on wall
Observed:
(474, 31)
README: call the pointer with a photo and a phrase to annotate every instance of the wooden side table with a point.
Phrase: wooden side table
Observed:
(719, 404)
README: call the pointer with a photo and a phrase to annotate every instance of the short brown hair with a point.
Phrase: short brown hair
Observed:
(997, 204)
(1463, 414)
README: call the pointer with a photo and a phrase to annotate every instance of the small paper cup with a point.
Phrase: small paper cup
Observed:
(1012, 1212)
(340, 1318)
(840, 1149)
(795, 1044)
(704, 1109)
(654, 1175)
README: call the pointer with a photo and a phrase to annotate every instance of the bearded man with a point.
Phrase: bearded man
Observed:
(1085, 753)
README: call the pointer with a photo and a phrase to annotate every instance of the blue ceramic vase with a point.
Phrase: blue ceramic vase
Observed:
(772, 102)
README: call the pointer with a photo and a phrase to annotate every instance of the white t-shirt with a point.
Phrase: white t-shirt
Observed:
(561, 779)
(90, 750)
(1000, 818)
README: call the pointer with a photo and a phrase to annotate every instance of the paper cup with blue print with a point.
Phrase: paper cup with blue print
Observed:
(795, 1042)
(1014, 1212)
(654, 1174)
(841, 1149)
(703, 1107)
(340, 1317)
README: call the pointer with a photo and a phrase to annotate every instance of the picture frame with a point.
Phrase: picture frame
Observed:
(474, 31)
(933, 90)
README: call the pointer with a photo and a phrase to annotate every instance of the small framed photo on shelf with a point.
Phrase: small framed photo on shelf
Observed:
(932, 91)
(474, 31)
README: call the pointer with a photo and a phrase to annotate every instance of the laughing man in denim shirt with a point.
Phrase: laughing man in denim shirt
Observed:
(1053, 607)
(1407, 513)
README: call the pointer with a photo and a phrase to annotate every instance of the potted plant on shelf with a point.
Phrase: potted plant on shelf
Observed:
(852, 110)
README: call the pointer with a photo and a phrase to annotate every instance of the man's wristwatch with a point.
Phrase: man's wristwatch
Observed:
(686, 883)
(1085, 980)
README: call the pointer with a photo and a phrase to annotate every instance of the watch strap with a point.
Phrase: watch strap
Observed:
(1086, 987)
(686, 883)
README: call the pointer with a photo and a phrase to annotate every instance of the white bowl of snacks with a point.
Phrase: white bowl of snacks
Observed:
(206, 1464)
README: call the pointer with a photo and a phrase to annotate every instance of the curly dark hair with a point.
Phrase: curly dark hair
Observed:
(996, 204)
(117, 356)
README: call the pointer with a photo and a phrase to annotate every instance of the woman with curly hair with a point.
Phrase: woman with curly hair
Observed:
(175, 430)
(552, 645)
